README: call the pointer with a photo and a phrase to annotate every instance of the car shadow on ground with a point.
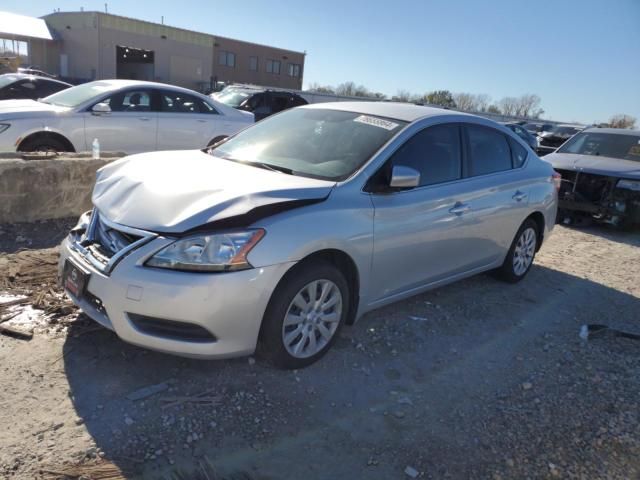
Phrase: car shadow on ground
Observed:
(257, 417)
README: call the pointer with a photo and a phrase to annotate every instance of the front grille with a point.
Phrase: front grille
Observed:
(105, 243)
(171, 329)
(109, 240)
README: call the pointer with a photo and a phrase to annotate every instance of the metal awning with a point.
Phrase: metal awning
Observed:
(20, 25)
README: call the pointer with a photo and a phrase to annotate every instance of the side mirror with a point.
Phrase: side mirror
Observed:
(101, 108)
(404, 177)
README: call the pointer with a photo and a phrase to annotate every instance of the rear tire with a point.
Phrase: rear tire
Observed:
(304, 316)
(520, 257)
(43, 144)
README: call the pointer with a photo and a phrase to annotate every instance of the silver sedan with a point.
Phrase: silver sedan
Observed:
(277, 237)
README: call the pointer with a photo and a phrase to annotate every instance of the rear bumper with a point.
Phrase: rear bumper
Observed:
(228, 305)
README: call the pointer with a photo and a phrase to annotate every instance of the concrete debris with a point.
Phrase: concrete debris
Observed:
(411, 472)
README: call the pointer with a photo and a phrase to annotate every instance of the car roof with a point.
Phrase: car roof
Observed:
(119, 83)
(615, 131)
(31, 76)
(406, 112)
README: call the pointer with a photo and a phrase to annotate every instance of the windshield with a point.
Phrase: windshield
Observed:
(233, 98)
(624, 147)
(7, 80)
(74, 96)
(317, 143)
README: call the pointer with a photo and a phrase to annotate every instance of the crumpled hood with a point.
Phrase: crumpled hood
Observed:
(28, 108)
(612, 167)
(176, 191)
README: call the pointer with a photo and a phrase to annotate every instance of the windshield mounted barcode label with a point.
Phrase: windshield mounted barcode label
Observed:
(376, 122)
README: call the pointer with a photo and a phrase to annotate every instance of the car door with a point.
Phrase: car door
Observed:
(185, 121)
(497, 192)
(131, 125)
(422, 234)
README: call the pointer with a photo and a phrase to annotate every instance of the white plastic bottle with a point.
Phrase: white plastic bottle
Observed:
(95, 149)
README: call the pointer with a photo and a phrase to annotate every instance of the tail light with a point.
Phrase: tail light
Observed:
(557, 180)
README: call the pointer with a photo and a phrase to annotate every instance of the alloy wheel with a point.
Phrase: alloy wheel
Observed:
(312, 318)
(524, 251)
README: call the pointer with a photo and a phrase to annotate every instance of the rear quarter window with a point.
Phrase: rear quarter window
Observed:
(518, 153)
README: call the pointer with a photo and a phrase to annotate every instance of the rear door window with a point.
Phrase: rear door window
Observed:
(488, 151)
(280, 102)
(178, 102)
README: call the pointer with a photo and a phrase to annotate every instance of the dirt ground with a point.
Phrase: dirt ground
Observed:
(478, 379)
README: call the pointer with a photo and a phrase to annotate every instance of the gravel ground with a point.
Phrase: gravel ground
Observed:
(474, 380)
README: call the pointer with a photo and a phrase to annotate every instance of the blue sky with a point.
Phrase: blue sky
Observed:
(581, 56)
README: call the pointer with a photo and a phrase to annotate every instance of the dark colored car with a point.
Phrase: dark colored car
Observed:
(524, 134)
(600, 170)
(537, 127)
(260, 102)
(550, 140)
(17, 86)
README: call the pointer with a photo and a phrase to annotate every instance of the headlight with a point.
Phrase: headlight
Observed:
(629, 185)
(219, 252)
(4, 126)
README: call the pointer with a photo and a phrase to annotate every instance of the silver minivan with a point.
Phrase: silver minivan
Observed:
(276, 237)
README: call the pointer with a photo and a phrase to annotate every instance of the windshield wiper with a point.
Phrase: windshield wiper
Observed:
(273, 168)
(266, 166)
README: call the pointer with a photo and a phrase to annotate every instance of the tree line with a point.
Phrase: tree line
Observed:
(527, 105)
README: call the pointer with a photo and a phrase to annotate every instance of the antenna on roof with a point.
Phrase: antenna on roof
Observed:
(162, 19)
(106, 10)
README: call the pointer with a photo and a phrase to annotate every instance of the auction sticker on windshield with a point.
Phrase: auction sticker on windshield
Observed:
(376, 122)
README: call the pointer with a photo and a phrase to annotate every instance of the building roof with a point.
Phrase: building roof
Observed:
(406, 112)
(23, 26)
(169, 27)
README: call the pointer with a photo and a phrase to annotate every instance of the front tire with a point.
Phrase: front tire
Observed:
(43, 144)
(520, 257)
(304, 316)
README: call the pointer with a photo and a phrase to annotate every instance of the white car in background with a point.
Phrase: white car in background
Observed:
(124, 115)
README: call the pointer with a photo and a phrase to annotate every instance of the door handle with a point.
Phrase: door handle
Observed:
(460, 208)
(519, 196)
(144, 119)
(202, 121)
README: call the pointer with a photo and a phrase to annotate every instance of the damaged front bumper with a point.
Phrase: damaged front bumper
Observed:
(193, 314)
(599, 197)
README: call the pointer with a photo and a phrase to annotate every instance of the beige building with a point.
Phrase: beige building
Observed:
(95, 45)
